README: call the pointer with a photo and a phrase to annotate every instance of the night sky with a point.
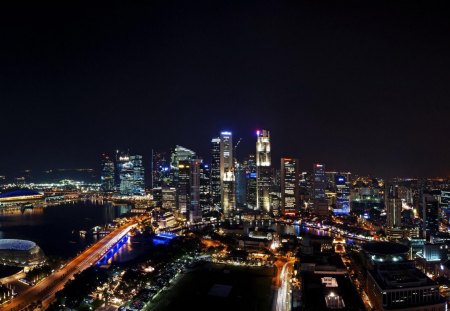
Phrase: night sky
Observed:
(359, 85)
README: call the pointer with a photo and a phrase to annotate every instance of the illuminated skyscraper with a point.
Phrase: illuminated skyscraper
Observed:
(130, 172)
(289, 186)
(342, 195)
(195, 212)
(107, 175)
(250, 170)
(160, 169)
(138, 175)
(227, 173)
(393, 206)
(319, 186)
(215, 172)
(263, 171)
(205, 187)
(183, 186)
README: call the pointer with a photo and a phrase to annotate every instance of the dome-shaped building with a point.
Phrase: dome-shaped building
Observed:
(20, 253)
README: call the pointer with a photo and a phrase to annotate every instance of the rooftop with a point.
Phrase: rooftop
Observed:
(14, 244)
(385, 248)
(18, 193)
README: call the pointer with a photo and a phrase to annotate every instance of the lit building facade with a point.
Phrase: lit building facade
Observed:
(215, 172)
(250, 175)
(108, 174)
(319, 185)
(263, 171)
(342, 195)
(130, 171)
(183, 186)
(289, 186)
(195, 211)
(228, 199)
(393, 207)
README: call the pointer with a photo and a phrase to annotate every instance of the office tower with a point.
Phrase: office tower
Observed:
(289, 186)
(215, 172)
(241, 185)
(205, 187)
(342, 195)
(263, 171)
(430, 212)
(138, 175)
(125, 173)
(227, 174)
(160, 169)
(107, 175)
(319, 185)
(130, 172)
(183, 186)
(393, 206)
(195, 212)
(250, 168)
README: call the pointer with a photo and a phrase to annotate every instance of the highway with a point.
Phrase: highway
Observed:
(283, 298)
(46, 289)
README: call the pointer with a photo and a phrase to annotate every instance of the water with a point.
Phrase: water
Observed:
(55, 228)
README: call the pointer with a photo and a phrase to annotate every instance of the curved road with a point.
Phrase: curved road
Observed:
(46, 289)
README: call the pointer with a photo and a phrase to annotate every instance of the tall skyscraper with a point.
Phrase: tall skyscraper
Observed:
(130, 171)
(228, 199)
(241, 185)
(393, 206)
(342, 195)
(289, 186)
(138, 175)
(183, 186)
(263, 171)
(107, 174)
(215, 172)
(319, 186)
(160, 169)
(205, 187)
(250, 168)
(195, 212)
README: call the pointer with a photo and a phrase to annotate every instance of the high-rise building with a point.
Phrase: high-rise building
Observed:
(130, 171)
(160, 169)
(319, 186)
(289, 186)
(195, 212)
(138, 175)
(107, 175)
(183, 186)
(227, 174)
(205, 187)
(393, 206)
(342, 195)
(250, 175)
(215, 172)
(263, 171)
(241, 185)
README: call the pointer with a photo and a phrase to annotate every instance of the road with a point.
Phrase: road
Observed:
(283, 297)
(46, 289)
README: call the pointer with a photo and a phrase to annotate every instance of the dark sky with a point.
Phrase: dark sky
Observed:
(359, 85)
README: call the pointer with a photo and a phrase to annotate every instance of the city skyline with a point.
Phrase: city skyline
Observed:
(360, 86)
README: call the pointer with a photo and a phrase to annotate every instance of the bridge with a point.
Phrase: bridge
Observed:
(45, 290)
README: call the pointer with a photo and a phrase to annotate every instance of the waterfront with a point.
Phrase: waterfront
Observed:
(55, 228)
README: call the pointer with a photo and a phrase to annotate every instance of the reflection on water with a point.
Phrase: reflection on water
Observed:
(56, 228)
